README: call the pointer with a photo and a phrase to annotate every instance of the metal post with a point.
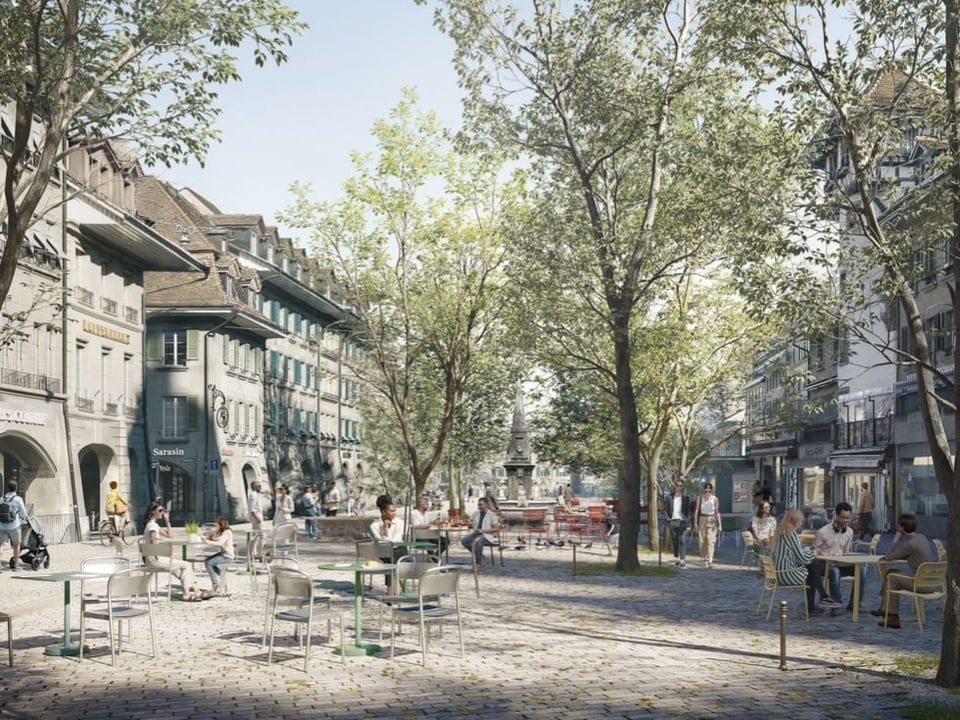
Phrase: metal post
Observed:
(783, 634)
(574, 557)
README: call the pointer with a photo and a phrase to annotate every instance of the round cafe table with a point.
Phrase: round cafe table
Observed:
(359, 569)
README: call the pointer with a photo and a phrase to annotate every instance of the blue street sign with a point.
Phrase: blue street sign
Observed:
(214, 464)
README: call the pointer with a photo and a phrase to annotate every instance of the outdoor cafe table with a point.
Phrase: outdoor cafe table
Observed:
(857, 560)
(359, 569)
(64, 648)
(184, 545)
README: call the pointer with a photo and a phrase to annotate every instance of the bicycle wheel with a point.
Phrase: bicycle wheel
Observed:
(125, 534)
(106, 533)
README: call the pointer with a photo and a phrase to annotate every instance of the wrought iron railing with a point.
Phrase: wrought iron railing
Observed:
(29, 380)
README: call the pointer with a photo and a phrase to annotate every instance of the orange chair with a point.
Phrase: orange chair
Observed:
(535, 522)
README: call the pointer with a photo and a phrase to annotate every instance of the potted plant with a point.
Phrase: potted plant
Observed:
(192, 528)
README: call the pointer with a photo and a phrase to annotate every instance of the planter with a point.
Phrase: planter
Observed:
(193, 537)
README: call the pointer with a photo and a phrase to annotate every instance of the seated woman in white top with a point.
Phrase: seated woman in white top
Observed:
(179, 569)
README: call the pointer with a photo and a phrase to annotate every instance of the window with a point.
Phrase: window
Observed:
(175, 347)
(174, 409)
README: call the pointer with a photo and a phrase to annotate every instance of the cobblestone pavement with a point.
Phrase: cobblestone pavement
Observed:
(541, 642)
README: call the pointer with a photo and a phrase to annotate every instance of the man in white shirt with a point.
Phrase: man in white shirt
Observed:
(835, 539)
(418, 517)
(484, 522)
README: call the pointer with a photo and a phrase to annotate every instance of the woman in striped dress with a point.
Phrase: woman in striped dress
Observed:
(794, 561)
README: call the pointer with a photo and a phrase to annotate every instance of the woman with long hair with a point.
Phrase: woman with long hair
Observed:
(763, 528)
(152, 532)
(222, 536)
(795, 562)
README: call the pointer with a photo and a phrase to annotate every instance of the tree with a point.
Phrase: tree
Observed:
(620, 112)
(77, 73)
(866, 97)
(415, 247)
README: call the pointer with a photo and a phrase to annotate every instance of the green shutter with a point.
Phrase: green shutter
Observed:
(193, 344)
(274, 363)
(155, 345)
(193, 412)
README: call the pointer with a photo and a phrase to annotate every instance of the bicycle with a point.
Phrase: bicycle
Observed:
(108, 531)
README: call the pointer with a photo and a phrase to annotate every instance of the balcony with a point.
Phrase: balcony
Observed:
(84, 403)
(110, 409)
(873, 432)
(30, 380)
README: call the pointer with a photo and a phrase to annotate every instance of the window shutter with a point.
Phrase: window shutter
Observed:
(155, 346)
(193, 412)
(193, 344)
(274, 363)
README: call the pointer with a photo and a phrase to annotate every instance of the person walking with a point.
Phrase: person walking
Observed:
(13, 513)
(865, 505)
(707, 522)
(678, 505)
(283, 506)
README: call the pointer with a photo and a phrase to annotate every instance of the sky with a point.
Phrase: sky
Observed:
(300, 121)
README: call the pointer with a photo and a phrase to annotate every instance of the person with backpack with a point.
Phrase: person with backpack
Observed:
(13, 513)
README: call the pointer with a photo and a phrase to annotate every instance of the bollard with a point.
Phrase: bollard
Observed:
(574, 558)
(783, 634)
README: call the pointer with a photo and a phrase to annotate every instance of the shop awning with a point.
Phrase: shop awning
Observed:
(863, 460)
(805, 462)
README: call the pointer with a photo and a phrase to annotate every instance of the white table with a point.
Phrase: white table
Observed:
(857, 560)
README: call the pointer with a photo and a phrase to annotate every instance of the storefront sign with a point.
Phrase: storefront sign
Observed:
(815, 451)
(168, 452)
(23, 416)
(106, 332)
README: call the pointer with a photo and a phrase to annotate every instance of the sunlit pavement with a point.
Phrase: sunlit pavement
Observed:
(540, 643)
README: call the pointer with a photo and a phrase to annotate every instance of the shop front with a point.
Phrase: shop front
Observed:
(918, 492)
(850, 471)
(805, 479)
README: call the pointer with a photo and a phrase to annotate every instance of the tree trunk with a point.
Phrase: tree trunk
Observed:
(948, 673)
(627, 558)
(653, 499)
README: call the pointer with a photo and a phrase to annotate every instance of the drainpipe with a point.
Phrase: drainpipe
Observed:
(207, 419)
(65, 286)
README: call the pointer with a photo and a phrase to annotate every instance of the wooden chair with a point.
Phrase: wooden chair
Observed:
(941, 550)
(929, 583)
(807, 537)
(771, 584)
(749, 552)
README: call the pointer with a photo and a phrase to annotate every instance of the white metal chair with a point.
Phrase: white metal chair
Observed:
(163, 552)
(122, 587)
(283, 564)
(373, 550)
(408, 573)
(284, 541)
(436, 584)
(929, 583)
(293, 602)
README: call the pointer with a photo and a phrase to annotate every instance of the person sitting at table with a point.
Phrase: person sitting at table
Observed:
(418, 516)
(181, 570)
(835, 539)
(795, 562)
(763, 527)
(222, 536)
(484, 520)
(907, 545)
(389, 529)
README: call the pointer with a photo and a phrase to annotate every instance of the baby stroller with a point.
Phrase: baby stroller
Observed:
(33, 548)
